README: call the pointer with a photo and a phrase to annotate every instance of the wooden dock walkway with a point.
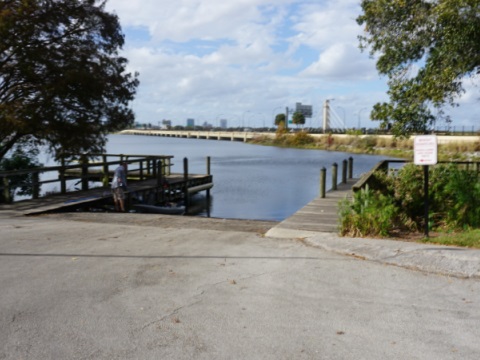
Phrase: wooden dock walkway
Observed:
(95, 196)
(320, 215)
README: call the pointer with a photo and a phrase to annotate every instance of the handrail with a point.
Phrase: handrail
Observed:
(144, 166)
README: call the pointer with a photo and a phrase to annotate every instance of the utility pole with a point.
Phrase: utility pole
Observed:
(286, 117)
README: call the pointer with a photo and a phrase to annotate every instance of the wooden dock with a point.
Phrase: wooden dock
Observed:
(320, 215)
(149, 181)
(96, 197)
(174, 184)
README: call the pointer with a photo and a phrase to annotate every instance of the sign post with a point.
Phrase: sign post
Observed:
(425, 151)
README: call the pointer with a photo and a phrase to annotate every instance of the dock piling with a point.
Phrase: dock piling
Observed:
(185, 189)
(334, 176)
(323, 176)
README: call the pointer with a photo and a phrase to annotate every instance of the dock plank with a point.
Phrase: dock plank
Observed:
(319, 215)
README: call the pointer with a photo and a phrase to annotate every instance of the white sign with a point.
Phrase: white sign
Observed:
(425, 150)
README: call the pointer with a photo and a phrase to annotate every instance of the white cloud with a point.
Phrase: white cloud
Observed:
(202, 58)
(341, 61)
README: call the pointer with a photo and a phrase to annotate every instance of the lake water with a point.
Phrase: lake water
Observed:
(250, 181)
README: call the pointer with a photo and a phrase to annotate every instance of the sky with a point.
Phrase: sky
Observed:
(248, 60)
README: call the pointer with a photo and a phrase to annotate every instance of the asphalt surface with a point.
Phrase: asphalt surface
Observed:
(135, 286)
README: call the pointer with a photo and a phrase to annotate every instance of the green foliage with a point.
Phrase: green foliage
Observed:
(20, 159)
(62, 82)
(454, 201)
(298, 118)
(299, 139)
(439, 38)
(463, 190)
(280, 120)
(361, 217)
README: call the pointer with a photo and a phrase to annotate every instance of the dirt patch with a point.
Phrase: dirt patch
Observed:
(168, 221)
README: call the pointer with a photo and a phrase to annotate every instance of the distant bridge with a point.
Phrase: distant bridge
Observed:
(248, 135)
(209, 135)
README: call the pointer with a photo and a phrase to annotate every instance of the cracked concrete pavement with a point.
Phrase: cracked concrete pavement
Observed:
(131, 286)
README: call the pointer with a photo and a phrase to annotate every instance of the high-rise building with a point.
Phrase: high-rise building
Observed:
(191, 123)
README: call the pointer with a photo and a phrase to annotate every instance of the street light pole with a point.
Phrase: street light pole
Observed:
(343, 113)
(359, 116)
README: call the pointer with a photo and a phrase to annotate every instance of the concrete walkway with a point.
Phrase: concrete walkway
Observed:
(139, 286)
(316, 224)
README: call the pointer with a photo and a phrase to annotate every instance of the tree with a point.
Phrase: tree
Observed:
(21, 158)
(62, 81)
(279, 119)
(298, 118)
(426, 48)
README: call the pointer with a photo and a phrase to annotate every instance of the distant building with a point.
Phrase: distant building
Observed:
(223, 123)
(191, 123)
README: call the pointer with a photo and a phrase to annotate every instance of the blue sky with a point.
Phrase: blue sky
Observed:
(247, 60)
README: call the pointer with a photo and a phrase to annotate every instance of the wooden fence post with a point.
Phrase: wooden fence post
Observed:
(84, 163)
(323, 178)
(208, 173)
(334, 176)
(61, 175)
(350, 167)
(106, 175)
(185, 188)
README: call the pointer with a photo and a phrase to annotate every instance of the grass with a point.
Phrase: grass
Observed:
(467, 238)
(370, 144)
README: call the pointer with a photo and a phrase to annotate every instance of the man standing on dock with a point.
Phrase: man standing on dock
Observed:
(119, 185)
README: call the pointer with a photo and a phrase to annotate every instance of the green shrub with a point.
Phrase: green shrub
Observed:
(396, 201)
(369, 213)
(300, 139)
(19, 185)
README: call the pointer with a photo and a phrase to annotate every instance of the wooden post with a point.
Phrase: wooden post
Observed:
(185, 186)
(106, 175)
(141, 170)
(35, 184)
(61, 175)
(149, 166)
(154, 167)
(84, 164)
(323, 178)
(208, 173)
(334, 176)
(344, 171)
(160, 190)
(208, 165)
(168, 166)
(350, 167)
